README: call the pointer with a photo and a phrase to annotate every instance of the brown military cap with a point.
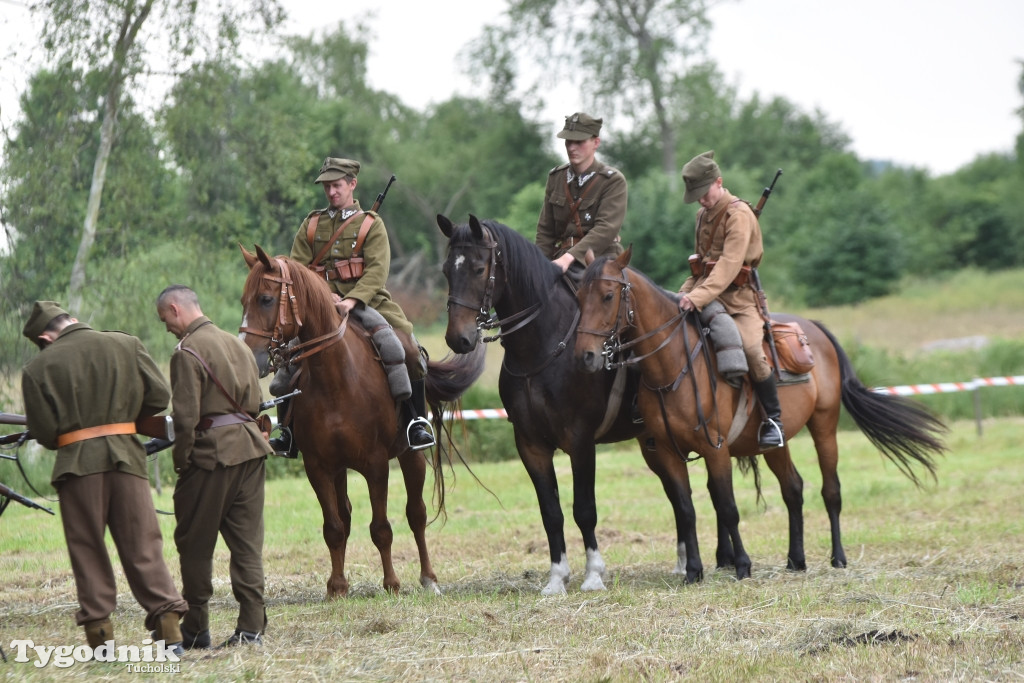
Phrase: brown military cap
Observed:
(336, 169)
(698, 174)
(42, 315)
(580, 126)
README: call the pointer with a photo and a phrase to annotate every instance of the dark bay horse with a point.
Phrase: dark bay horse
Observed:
(685, 410)
(551, 402)
(345, 417)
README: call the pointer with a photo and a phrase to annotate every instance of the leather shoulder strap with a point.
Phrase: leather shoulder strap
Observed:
(216, 381)
(334, 238)
(314, 220)
(361, 237)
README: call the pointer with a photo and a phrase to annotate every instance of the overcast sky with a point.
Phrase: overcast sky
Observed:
(929, 83)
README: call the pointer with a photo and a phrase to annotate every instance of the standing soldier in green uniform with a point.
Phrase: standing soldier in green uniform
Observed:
(349, 248)
(584, 201)
(728, 238)
(220, 457)
(83, 394)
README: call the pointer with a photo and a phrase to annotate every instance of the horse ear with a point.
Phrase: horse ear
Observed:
(250, 258)
(264, 259)
(623, 259)
(446, 225)
(588, 258)
(474, 225)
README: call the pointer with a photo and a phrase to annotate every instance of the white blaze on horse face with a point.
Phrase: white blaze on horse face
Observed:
(245, 323)
(459, 260)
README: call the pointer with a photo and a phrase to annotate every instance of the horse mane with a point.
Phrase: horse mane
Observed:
(312, 294)
(527, 269)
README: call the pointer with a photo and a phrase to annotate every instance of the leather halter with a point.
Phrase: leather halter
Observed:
(288, 318)
(484, 319)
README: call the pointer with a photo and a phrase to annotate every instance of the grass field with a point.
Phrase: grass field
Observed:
(934, 590)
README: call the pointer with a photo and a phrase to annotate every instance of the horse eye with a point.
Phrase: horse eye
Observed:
(607, 297)
(266, 300)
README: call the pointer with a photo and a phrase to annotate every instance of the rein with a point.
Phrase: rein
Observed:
(288, 317)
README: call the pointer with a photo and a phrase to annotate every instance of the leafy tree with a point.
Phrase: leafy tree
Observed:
(114, 38)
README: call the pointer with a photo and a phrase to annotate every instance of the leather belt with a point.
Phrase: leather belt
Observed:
(77, 435)
(214, 421)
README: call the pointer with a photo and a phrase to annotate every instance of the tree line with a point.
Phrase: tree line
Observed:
(229, 157)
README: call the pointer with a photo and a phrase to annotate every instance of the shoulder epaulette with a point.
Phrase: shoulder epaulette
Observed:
(556, 169)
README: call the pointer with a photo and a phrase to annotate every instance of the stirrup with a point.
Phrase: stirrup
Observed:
(284, 444)
(770, 434)
(425, 425)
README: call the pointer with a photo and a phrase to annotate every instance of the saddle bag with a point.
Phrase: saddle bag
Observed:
(792, 347)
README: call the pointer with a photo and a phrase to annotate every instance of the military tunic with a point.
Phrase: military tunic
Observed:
(601, 212)
(87, 378)
(221, 474)
(729, 234)
(370, 289)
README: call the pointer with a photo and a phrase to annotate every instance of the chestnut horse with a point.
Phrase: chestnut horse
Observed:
(551, 402)
(688, 408)
(345, 417)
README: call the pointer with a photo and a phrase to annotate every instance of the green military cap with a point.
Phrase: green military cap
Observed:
(698, 174)
(580, 126)
(42, 315)
(336, 169)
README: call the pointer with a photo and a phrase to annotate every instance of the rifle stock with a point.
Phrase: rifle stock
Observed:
(12, 419)
(762, 301)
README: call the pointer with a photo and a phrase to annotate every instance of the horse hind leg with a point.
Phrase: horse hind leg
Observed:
(827, 447)
(792, 488)
(414, 473)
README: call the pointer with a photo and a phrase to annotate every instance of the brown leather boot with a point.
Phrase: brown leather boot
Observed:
(98, 632)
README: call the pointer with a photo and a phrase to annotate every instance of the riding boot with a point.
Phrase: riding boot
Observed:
(418, 430)
(771, 434)
(284, 443)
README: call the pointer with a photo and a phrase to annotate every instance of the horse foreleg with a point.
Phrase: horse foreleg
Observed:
(719, 466)
(380, 528)
(337, 512)
(828, 460)
(414, 473)
(584, 513)
(539, 465)
(675, 480)
(792, 487)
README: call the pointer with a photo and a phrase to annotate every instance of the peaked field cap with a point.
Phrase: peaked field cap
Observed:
(698, 174)
(335, 168)
(580, 126)
(43, 312)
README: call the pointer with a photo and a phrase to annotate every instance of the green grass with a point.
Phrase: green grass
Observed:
(934, 589)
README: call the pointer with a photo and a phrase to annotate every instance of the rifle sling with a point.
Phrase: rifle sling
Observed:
(239, 410)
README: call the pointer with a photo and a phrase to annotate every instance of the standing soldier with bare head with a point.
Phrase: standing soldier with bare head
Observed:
(584, 200)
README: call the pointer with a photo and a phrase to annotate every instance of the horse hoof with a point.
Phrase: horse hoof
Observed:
(593, 583)
(554, 588)
(430, 585)
(796, 565)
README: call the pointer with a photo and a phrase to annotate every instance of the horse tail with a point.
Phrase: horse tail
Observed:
(749, 463)
(446, 381)
(902, 429)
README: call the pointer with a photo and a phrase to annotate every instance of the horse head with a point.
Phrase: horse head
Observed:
(474, 257)
(605, 310)
(269, 315)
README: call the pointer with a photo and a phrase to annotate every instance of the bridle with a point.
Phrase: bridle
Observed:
(613, 347)
(485, 321)
(289, 324)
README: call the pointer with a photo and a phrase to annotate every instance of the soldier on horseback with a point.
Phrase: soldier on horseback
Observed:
(349, 248)
(728, 245)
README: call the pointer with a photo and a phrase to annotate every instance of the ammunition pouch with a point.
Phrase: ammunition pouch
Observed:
(348, 269)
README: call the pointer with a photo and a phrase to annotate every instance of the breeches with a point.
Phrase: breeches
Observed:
(751, 327)
(228, 500)
(122, 502)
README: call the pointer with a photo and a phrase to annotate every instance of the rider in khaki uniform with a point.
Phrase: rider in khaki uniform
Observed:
(220, 457)
(83, 379)
(728, 237)
(363, 290)
(584, 200)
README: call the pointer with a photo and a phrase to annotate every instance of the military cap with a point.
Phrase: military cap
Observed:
(42, 315)
(698, 174)
(336, 169)
(580, 126)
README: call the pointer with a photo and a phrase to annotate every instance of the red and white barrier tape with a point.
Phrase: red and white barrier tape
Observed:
(906, 390)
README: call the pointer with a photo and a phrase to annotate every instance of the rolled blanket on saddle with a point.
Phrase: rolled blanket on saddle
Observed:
(725, 337)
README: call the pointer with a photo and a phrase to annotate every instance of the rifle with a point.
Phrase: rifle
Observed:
(762, 302)
(380, 198)
(156, 445)
(10, 494)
